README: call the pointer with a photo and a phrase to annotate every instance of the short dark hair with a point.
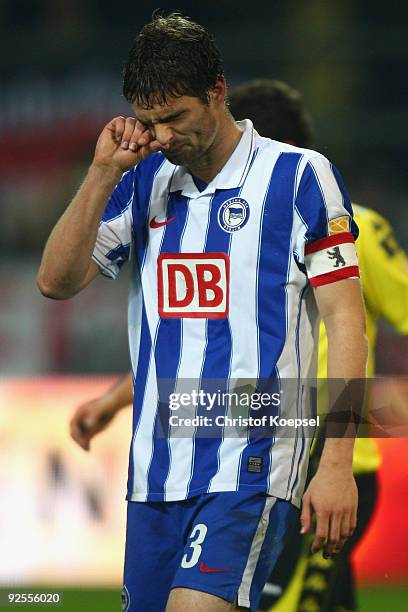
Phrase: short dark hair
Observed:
(276, 110)
(171, 56)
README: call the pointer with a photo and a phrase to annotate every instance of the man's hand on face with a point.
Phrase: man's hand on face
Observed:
(123, 143)
(332, 496)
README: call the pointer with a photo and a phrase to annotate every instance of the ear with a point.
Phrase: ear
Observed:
(219, 92)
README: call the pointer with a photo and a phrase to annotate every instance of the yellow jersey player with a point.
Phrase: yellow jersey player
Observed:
(319, 584)
(328, 584)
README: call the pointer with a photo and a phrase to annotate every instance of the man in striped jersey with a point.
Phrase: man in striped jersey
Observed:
(229, 237)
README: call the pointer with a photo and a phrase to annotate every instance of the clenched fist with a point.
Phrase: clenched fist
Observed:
(89, 419)
(123, 143)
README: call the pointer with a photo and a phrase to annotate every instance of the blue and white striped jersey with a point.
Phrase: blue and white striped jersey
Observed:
(222, 290)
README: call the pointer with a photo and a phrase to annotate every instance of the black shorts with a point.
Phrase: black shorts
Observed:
(326, 584)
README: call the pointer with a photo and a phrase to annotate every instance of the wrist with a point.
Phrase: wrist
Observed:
(338, 454)
(335, 466)
(106, 176)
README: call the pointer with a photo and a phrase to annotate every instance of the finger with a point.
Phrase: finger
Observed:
(306, 515)
(353, 519)
(130, 124)
(146, 150)
(117, 127)
(83, 424)
(140, 136)
(322, 531)
(79, 436)
(156, 146)
(332, 546)
(346, 529)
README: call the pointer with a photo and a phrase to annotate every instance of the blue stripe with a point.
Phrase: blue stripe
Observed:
(274, 257)
(120, 198)
(311, 205)
(167, 357)
(139, 388)
(145, 175)
(119, 255)
(216, 366)
(139, 183)
(275, 253)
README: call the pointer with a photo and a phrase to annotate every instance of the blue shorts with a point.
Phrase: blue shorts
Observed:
(225, 544)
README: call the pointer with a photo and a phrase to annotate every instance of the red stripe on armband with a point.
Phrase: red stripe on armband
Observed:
(330, 241)
(335, 275)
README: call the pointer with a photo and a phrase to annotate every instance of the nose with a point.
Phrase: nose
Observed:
(163, 134)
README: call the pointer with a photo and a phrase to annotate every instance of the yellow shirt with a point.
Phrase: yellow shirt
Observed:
(384, 277)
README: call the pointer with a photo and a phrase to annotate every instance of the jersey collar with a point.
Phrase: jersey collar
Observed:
(232, 174)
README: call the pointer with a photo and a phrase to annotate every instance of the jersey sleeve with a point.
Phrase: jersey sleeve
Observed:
(384, 271)
(114, 238)
(326, 247)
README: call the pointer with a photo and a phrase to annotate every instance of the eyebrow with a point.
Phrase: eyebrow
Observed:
(165, 119)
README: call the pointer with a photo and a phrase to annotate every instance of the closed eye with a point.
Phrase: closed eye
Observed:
(168, 119)
(171, 118)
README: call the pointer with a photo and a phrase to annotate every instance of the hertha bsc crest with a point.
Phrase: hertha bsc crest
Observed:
(233, 214)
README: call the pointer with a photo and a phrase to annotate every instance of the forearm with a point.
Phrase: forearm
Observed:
(68, 251)
(120, 395)
(346, 370)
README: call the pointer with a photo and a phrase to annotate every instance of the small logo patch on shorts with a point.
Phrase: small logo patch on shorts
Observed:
(255, 464)
(125, 599)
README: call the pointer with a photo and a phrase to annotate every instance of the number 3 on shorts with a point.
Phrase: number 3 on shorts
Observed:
(200, 531)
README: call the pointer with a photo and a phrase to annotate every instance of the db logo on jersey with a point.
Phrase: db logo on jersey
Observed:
(194, 285)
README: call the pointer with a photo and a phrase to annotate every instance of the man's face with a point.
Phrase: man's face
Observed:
(187, 124)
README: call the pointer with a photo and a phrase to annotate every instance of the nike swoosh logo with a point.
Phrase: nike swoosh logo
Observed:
(207, 570)
(155, 224)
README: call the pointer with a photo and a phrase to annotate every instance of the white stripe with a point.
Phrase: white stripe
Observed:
(111, 235)
(135, 315)
(284, 448)
(272, 589)
(192, 356)
(299, 235)
(253, 557)
(243, 305)
(143, 437)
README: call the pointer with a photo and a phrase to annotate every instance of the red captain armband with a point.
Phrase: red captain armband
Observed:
(331, 259)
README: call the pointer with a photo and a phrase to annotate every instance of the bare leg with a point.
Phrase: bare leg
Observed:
(188, 600)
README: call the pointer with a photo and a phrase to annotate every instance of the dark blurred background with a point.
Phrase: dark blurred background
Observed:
(61, 64)
(60, 82)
